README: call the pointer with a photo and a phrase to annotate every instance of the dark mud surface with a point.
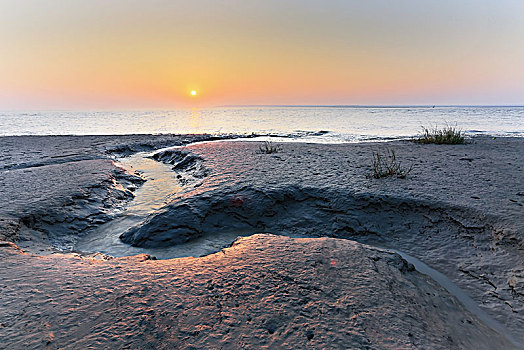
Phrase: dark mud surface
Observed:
(264, 292)
(52, 188)
(459, 211)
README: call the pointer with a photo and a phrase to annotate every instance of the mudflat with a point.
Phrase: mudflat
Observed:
(459, 210)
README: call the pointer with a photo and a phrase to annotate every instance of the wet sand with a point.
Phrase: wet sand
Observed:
(264, 292)
(459, 211)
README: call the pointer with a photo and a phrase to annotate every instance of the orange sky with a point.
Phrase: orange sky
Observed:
(136, 54)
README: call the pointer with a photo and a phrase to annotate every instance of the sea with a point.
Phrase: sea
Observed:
(326, 124)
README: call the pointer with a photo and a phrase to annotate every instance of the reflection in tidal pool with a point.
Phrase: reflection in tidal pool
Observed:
(159, 189)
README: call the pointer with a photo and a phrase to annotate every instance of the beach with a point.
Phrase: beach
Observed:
(316, 265)
(262, 175)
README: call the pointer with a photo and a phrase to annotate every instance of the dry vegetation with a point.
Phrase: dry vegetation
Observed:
(386, 164)
(268, 147)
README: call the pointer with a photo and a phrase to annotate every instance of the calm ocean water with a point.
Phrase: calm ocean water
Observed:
(343, 124)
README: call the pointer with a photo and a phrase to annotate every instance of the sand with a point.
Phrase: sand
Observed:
(55, 187)
(460, 211)
(264, 292)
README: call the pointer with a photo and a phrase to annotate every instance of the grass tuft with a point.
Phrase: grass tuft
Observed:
(268, 147)
(448, 135)
(385, 165)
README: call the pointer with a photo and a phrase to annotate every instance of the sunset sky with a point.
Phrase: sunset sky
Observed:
(77, 54)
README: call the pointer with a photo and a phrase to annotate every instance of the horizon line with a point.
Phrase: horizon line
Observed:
(372, 106)
(265, 105)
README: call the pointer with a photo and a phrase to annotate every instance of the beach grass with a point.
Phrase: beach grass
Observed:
(447, 135)
(386, 164)
(268, 148)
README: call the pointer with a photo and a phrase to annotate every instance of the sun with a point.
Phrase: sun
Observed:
(193, 93)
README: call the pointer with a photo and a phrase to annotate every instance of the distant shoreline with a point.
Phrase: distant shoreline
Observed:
(160, 109)
(374, 106)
